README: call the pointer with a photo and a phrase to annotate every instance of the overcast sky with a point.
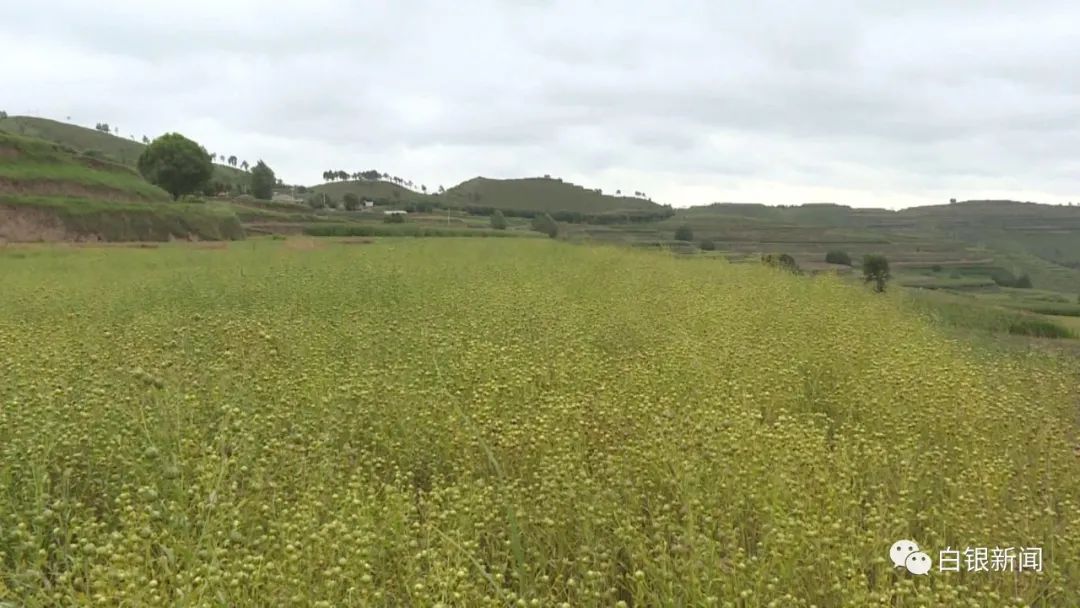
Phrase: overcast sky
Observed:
(890, 103)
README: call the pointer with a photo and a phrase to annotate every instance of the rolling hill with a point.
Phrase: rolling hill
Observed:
(48, 192)
(539, 194)
(98, 144)
(377, 190)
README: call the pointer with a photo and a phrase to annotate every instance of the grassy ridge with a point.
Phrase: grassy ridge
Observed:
(482, 422)
(973, 313)
(127, 221)
(376, 190)
(408, 229)
(32, 163)
(118, 149)
(538, 194)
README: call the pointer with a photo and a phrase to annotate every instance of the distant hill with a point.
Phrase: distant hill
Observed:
(48, 191)
(376, 190)
(540, 194)
(99, 144)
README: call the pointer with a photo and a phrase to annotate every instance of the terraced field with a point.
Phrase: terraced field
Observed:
(507, 422)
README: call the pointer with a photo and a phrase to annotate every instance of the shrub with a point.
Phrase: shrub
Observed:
(684, 233)
(707, 245)
(498, 220)
(783, 261)
(936, 268)
(837, 256)
(876, 271)
(394, 218)
(544, 223)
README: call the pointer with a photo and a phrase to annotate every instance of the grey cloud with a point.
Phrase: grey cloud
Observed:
(693, 101)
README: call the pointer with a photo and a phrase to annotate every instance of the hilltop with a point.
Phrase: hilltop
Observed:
(98, 144)
(49, 192)
(376, 190)
(540, 194)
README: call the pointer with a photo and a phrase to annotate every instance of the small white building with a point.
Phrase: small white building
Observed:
(369, 204)
(395, 212)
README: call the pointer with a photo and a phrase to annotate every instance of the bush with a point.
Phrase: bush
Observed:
(783, 261)
(684, 233)
(837, 256)
(352, 201)
(498, 220)
(1005, 278)
(544, 223)
(936, 268)
(876, 271)
(707, 245)
(394, 218)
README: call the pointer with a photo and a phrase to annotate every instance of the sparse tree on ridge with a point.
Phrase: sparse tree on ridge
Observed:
(244, 165)
(423, 188)
(441, 189)
(146, 140)
(232, 161)
(176, 164)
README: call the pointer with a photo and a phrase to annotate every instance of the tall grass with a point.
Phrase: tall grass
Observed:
(481, 422)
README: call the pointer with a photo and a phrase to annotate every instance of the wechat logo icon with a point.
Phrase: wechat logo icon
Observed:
(906, 554)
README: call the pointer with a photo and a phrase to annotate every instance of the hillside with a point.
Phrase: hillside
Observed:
(98, 144)
(539, 194)
(49, 193)
(377, 190)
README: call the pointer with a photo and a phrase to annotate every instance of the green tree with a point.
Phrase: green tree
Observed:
(262, 181)
(3, 114)
(837, 256)
(684, 233)
(875, 270)
(498, 220)
(544, 223)
(176, 164)
(707, 245)
(352, 202)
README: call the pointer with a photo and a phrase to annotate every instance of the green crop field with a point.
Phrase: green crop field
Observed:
(507, 422)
